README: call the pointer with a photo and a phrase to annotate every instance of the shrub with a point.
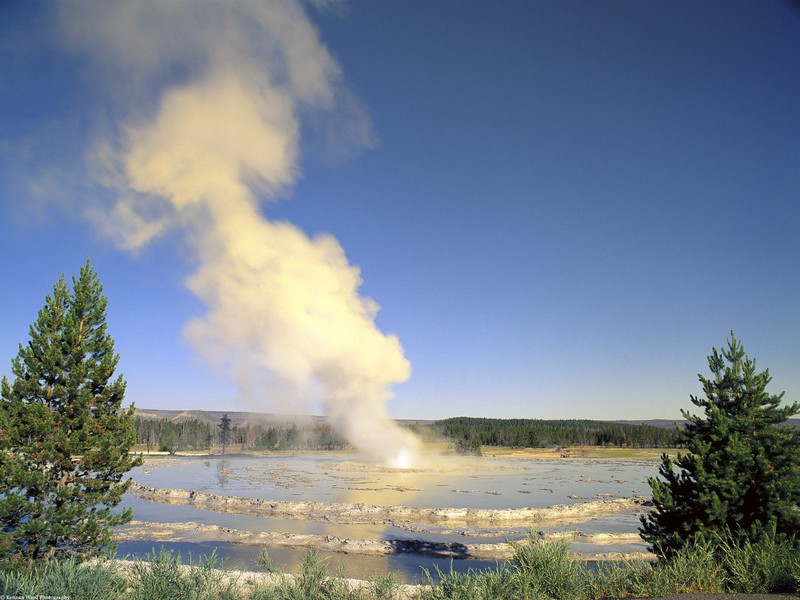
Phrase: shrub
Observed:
(550, 569)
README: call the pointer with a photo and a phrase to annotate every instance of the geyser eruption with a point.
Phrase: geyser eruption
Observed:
(280, 300)
(219, 137)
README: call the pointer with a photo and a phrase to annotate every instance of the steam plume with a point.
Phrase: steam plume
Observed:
(223, 133)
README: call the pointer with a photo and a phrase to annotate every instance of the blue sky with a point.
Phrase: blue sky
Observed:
(560, 207)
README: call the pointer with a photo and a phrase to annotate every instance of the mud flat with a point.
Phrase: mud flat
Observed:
(406, 517)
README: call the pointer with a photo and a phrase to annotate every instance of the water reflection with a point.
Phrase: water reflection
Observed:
(408, 567)
(384, 487)
(470, 483)
(223, 473)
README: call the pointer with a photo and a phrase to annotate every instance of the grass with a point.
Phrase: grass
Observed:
(598, 452)
(64, 578)
(163, 575)
(540, 569)
(544, 569)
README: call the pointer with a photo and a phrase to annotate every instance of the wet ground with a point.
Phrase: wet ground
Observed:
(459, 511)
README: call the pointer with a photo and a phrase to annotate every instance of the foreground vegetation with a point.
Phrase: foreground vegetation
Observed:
(546, 569)
(742, 471)
(539, 569)
(64, 434)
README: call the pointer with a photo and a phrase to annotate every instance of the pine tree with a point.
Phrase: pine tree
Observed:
(224, 430)
(742, 470)
(64, 439)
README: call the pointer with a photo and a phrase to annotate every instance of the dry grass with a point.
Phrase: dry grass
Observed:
(598, 452)
(438, 448)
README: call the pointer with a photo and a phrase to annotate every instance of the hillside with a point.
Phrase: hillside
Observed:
(238, 419)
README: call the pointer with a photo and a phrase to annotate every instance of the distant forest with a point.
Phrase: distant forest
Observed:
(193, 434)
(537, 433)
(467, 434)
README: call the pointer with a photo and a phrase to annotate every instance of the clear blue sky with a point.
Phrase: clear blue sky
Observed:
(560, 207)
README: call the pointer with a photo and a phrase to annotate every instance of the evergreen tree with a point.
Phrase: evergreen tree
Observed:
(224, 430)
(64, 439)
(742, 470)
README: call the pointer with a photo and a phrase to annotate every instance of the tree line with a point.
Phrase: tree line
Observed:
(538, 433)
(462, 432)
(193, 434)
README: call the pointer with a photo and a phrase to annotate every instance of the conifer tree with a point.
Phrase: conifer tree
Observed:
(742, 470)
(64, 438)
(224, 430)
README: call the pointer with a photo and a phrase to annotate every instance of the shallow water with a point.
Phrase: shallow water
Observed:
(464, 483)
(407, 567)
(485, 482)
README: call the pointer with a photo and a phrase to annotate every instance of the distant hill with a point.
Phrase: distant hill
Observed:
(238, 419)
(662, 423)
(667, 424)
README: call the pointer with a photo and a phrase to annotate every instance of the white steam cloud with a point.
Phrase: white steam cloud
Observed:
(234, 80)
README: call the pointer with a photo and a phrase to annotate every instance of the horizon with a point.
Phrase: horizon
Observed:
(416, 419)
(530, 209)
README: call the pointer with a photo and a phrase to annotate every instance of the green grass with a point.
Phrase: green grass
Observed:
(64, 578)
(163, 576)
(544, 569)
(540, 569)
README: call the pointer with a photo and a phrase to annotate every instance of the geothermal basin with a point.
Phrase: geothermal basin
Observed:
(457, 512)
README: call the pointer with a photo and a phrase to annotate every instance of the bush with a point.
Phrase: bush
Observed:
(692, 569)
(467, 447)
(550, 569)
(478, 585)
(539, 569)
